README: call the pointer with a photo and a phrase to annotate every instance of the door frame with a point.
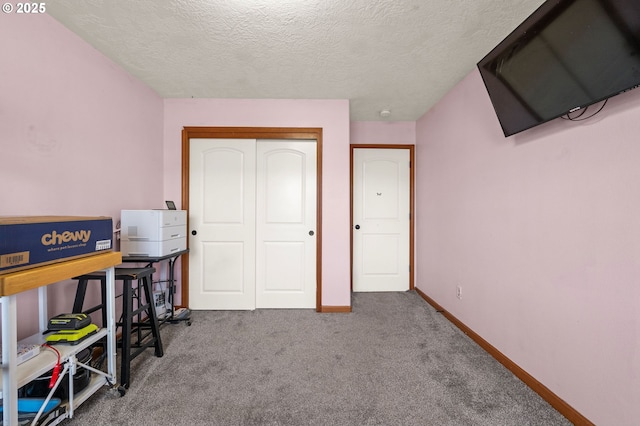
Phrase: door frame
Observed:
(310, 133)
(411, 149)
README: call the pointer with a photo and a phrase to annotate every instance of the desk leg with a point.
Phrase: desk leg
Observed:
(109, 318)
(172, 284)
(127, 308)
(9, 358)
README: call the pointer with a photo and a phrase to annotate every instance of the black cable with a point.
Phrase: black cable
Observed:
(582, 112)
(577, 118)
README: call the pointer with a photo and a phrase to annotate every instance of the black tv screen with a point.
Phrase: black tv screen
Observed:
(567, 55)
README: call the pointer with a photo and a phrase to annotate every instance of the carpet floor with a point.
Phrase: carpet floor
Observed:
(392, 361)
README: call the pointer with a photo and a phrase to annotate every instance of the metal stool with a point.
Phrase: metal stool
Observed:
(142, 277)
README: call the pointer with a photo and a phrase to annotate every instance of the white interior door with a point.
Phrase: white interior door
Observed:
(222, 213)
(381, 219)
(285, 225)
(253, 207)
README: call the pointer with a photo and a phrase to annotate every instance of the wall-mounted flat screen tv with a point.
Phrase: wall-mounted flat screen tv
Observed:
(567, 55)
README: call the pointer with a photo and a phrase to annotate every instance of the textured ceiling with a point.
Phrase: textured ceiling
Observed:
(401, 55)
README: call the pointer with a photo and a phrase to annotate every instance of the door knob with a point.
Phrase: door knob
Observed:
(194, 232)
(311, 233)
(357, 226)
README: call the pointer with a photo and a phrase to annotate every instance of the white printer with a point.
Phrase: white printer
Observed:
(153, 233)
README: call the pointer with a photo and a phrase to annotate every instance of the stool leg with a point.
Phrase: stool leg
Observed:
(153, 318)
(103, 311)
(81, 291)
(126, 333)
(103, 290)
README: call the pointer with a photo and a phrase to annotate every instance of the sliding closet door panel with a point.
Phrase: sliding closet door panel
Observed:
(222, 215)
(285, 224)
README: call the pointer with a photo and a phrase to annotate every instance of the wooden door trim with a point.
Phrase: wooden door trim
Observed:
(411, 149)
(306, 133)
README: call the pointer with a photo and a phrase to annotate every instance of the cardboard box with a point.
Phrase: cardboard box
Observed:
(161, 299)
(30, 241)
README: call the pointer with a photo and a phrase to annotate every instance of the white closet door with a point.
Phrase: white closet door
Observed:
(222, 213)
(252, 205)
(286, 224)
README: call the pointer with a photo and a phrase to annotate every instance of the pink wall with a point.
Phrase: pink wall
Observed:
(383, 132)
(542, 232)
(78, 136)
(331, 115)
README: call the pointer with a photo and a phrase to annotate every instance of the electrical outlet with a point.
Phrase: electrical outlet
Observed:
(459, 292)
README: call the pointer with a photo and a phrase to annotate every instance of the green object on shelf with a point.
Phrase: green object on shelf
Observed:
(72, 336)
